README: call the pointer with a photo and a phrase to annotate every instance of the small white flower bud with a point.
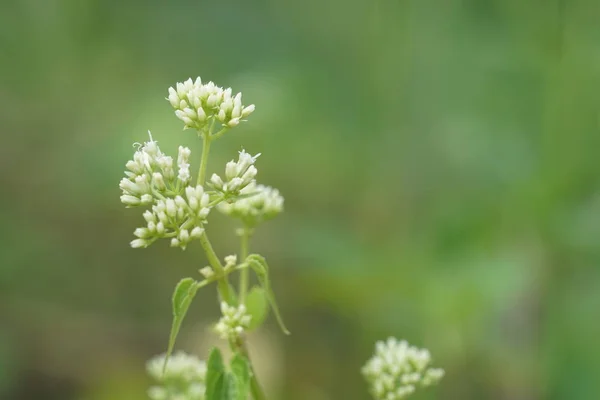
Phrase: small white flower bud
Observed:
(162, 217)
(142, 233)
(221, 116)
(207, 272)
(237, 100)
(196, 232)
(194, 204)
(248, 110)
(127, 186)
(201, 114)
(173, 98)
(137, 243)
(160, 228)
(212, 100)
(174, 242)
(216, 181)
(147, 199)
(236, 112)
(148, 216)
(130, 200)
(231, 170)
(191, 114)
(233, 122)
(180, 202)
(171, 208)
(159, 181)
(230, 261)
(184, 236)
(204, 213)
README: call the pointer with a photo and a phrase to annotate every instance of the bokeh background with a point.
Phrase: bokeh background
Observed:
(439, 161)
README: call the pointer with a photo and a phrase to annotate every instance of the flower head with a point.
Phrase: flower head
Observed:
(238, 175)
(151, 172)
(396, 369)
(196, 104)
(178, 210)
(233, 322)
(184, 377)
(258, 203)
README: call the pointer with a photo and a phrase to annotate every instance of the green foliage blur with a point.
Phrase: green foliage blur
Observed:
(439, 161)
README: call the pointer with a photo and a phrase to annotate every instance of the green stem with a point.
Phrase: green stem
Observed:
(219, 134)
(204, 161)
(222, 282)
(244, 273)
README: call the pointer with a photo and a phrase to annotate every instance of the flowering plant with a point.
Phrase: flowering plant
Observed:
(177, 208)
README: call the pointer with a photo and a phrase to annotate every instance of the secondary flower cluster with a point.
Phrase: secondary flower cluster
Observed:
(258, 203)
(196, 104)
(178, 210)
(183, 379)
(151, 173)
(238, 175)
(396, 369)
(233, 322)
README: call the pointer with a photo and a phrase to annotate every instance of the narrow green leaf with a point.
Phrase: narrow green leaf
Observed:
(216, 379)
(240, 370)
(257, 305)
(260, 267)
(232, 389)
(182, 298)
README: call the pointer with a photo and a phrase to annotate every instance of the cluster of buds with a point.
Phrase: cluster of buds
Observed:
(152, 173)
(196, 104)
(179, 218)
(238, 175)
(258, 203)
(230, 262)
(397, 368)
(233, 322)
(184, 377)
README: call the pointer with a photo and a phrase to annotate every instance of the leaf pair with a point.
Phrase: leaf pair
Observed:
(227, 385)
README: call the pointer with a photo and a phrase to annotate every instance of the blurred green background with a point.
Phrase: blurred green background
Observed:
(439, 161)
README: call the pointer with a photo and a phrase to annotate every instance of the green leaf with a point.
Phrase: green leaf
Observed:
(260, 267)
(216, 378)
(182, 298)
(257, 305)
(240, 371)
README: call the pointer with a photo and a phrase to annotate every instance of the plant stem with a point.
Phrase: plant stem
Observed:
(255, 388)
(223, 284)
(244, 273)
(204, 161)
(225, 290)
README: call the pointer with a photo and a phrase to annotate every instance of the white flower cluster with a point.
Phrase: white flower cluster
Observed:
(151, 173)
(262, 203)
(233, 322)
(184, 377)
(178, 210)
(397, 369)
(238, 175)
(196, 104)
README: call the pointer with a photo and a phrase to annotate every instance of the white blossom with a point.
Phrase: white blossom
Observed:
(181, 218)
(178, 210)
(233, 322)
(149, 173)
(196, 104)
(257, 203)
(238, 175)
(184, 377)
(397, 369)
